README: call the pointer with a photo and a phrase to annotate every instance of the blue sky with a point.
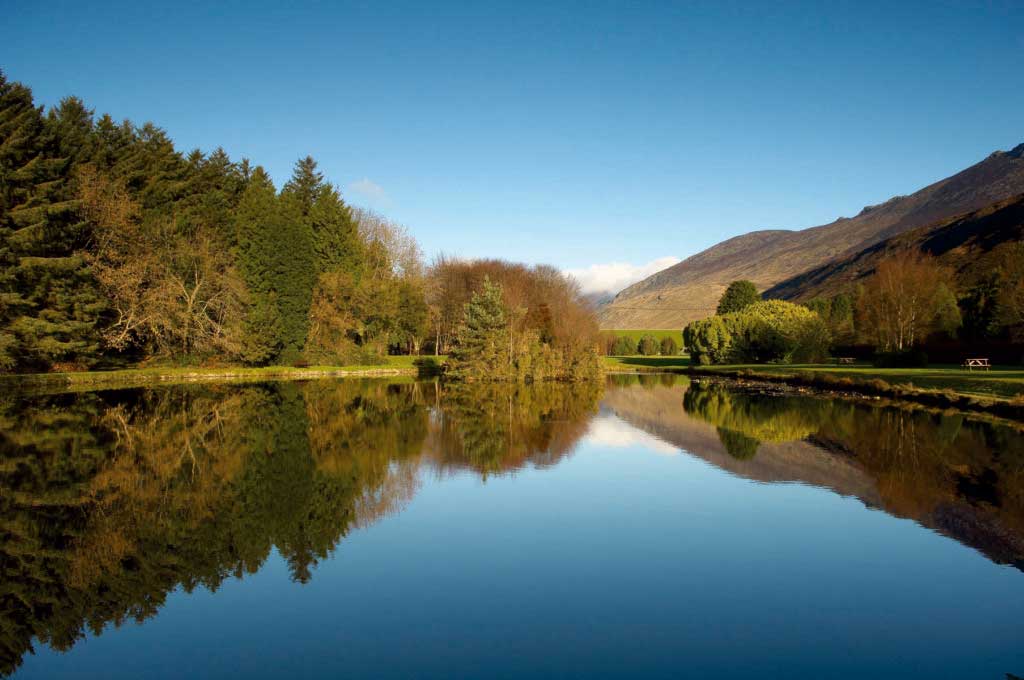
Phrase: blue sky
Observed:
(576, 134)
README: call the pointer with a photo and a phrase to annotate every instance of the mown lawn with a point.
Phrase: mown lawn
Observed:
(634, 334)
(1002, 381)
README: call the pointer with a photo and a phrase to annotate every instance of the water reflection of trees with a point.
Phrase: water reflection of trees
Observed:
(962, 477)
(493, 428)
(109, 501)
(744, 420)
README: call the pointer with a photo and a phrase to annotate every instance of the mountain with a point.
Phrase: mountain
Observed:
(965, 244)
(690, 290)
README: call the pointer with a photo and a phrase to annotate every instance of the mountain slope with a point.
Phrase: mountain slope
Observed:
(690, 290)
(963, 244)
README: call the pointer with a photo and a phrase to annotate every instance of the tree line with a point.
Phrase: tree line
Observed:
(117, 248)
(909, 302)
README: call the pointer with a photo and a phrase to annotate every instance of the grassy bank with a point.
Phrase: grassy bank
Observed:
(998, 391)
(149, 375)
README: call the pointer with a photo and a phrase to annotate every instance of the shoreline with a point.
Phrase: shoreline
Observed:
(141, 377)
(864, 388)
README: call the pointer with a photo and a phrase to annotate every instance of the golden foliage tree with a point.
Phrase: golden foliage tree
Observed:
(900, 303)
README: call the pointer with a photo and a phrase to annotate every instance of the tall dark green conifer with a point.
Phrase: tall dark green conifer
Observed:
(49, 302)
(258, 220)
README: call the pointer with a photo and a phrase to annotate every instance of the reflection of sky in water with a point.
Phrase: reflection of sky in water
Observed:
(613, 432)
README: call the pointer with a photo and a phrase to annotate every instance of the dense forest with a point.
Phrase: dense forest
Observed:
(116, 248)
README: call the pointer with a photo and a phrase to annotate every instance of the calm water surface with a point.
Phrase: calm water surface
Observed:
(652, 528)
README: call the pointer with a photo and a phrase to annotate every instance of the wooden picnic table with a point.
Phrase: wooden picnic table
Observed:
(844, 360)
(977, 362)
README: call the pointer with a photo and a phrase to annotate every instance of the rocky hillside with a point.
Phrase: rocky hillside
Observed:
(690, 290)
(965, 244)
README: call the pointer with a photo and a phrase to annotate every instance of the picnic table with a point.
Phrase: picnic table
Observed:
(844, 360)
(977, 362)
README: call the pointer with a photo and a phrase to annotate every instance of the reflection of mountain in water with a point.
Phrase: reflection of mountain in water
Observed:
(962, 478)
(111, 500)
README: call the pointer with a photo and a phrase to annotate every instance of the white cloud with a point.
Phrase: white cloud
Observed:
(613, 432)
(367, 188)
(614, 276)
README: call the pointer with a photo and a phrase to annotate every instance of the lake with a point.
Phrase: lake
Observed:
(649, 527)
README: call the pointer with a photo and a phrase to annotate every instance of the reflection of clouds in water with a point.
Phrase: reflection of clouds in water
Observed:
(613, 432)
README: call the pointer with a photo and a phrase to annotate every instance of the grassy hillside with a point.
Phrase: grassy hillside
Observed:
(690, 289)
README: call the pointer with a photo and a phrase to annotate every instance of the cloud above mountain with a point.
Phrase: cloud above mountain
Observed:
(611, 277)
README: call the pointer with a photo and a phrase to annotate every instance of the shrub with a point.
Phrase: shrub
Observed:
(768, 331)
(622, 347)
(669, 347)
(707, 340)
(778, 331)
(647, 346)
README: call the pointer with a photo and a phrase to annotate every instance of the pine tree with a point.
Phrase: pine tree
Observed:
(153, 170)
(305, 185)
(295, 273)
(257, 223)
(481, 353)
(213, 188)
(49, 302)
(335, 234)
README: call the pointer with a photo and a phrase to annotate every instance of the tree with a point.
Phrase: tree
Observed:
(48, 301)
(482, 351)
(841, 318)
(708, 340)
(275, 253)
(261, 333)
(738, 295)
(775, 330)
(178, 292)
(821, 306)
(669, 347)
(411, 322)
(947, 313)
(899, 304)
(647, 346)
(1010, 293)
(623, 346)
(770, 330)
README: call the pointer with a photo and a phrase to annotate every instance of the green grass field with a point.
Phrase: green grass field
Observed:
(635, 334)
(1004, 382)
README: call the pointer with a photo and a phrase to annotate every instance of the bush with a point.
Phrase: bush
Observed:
(647, 346)
(768, 331)
(669, 347)
(778, 331)
(707, 340)
(622, 347)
